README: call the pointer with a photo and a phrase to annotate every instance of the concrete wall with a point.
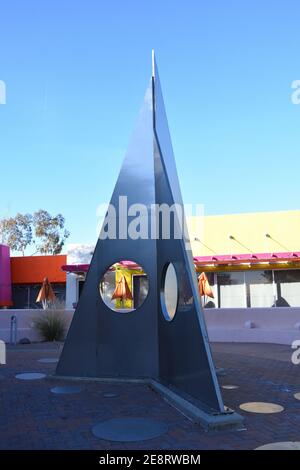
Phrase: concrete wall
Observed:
(255, 325)
(24, 323)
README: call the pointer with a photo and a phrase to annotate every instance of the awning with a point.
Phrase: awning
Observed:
(75, 268)
(216, 260)
(83, 268)
(251, 258)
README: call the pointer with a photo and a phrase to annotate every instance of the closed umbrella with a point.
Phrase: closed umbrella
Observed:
(122, 290)
(46, 294)
(204, 287)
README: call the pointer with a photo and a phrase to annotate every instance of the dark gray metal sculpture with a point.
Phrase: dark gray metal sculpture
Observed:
(144, 344)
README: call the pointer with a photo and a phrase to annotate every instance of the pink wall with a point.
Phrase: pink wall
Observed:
(5, 277)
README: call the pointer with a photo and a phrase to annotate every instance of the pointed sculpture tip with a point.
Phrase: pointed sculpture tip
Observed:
(153, 63)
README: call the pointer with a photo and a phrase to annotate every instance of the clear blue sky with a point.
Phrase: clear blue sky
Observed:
(76, 72)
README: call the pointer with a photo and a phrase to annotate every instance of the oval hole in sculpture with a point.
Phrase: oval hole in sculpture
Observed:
(169, 292)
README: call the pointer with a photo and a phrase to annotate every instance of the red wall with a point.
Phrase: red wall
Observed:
(33, 269)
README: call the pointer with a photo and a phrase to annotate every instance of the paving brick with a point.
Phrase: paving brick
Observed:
(33, 418)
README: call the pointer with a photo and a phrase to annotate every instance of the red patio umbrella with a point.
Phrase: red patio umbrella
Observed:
(45, 294)
(122, 290)
(204, 287)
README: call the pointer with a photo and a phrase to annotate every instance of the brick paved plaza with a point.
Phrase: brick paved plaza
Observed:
(32, 417)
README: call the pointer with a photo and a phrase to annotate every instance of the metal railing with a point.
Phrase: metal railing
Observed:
(13, 329)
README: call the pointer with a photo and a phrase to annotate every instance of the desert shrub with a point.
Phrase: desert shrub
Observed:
(51, 325)
(57, 304)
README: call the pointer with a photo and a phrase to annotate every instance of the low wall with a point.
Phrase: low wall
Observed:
(253, 325)
(25, 319)
(249, 325)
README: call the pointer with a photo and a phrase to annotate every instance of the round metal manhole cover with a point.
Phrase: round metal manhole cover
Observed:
(48, 360)
(289, 445)
(297, 396)
(30, 376)
(66, 390)
(220, 372)
(230, 387)
(261, 407)
(110, 395)
(129, 429)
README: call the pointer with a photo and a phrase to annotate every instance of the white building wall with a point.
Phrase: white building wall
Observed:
(76, 254)
(71, 290)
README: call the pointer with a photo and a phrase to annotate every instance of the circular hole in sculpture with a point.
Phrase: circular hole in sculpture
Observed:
(124, 286)
(169, 292)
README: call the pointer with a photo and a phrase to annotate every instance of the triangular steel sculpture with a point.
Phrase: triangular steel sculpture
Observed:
(143, 344)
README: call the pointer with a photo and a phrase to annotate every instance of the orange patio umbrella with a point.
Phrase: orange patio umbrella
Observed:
(122, 290)
(46, 293)
(204, 287)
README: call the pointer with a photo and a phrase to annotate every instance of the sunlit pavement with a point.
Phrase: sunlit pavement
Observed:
(32, 417)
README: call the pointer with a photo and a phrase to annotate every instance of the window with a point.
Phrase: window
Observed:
(260, 291)
(231, 290)
(24, 295)
(287, 288)
(208, 301)
(140, 289)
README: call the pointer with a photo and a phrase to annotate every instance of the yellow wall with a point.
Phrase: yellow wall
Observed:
(249, 231)
(128, 273)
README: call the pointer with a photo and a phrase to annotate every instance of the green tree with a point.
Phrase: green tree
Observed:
(45, 232)
(17, 232)
(50, 231)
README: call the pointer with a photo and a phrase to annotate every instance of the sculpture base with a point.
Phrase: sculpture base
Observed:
(229, 419)
(210, 421)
